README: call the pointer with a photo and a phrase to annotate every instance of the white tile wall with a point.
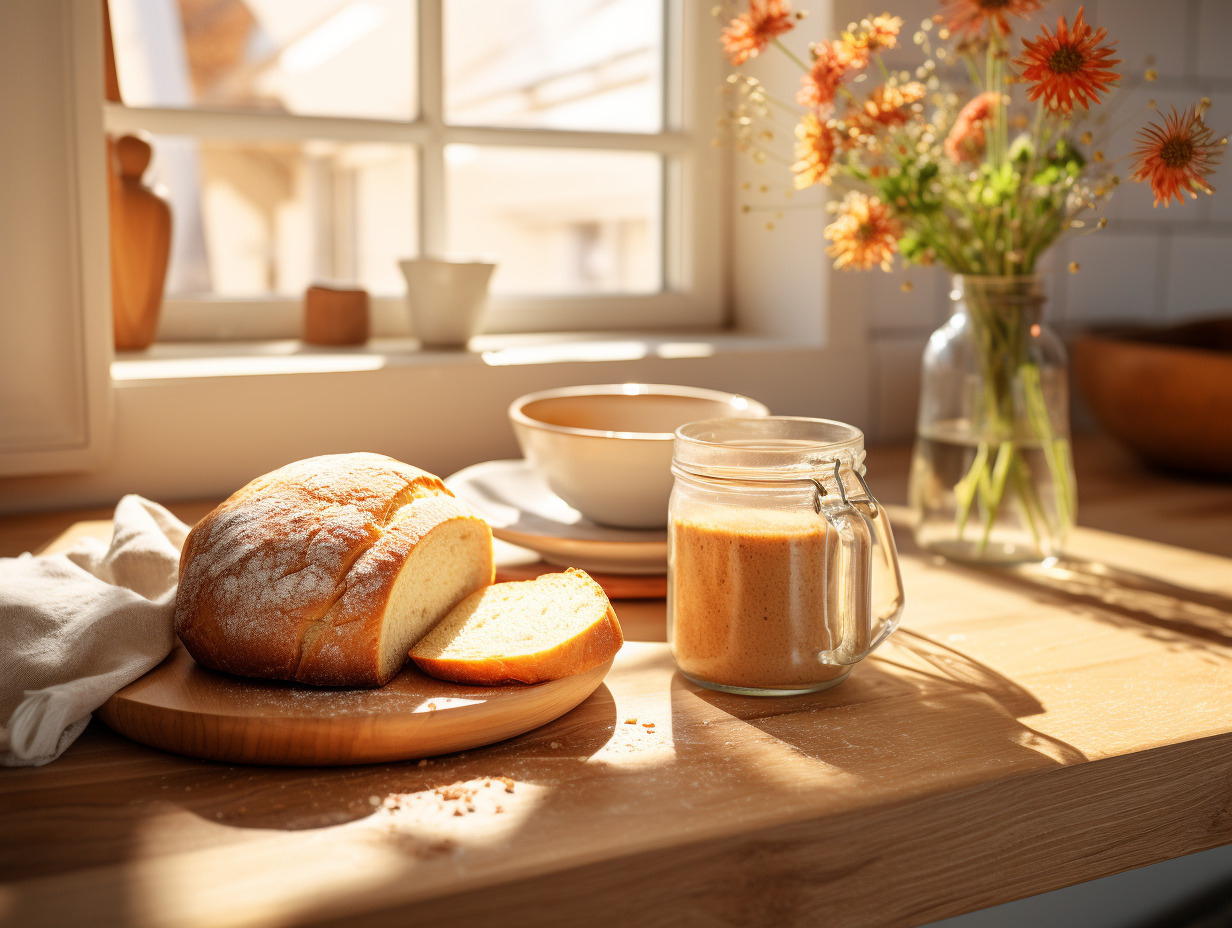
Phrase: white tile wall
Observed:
(896, 366)
(1117, 279)
(1199, 276)
(1219, 204)
(1214, 26)
(1149, 264)
(888, 309)
(1147, 32)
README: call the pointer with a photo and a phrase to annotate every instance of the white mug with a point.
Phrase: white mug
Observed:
(446, 299)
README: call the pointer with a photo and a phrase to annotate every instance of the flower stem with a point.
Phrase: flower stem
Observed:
(1011, 418)
(792, 55)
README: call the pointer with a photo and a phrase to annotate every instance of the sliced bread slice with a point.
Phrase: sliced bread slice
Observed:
(527, 631)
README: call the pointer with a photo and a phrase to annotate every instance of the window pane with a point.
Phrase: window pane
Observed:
(314, 57)
(555, 64)
(558, 221)
(254, 219)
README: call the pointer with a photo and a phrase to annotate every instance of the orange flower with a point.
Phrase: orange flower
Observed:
(1069, 67)
(815, 146)
(876, 33)
(883, 31)
(970, 15)
(1177, 156)
(831, 63)
(750, 32)
(864, 234)
(887, 106)
(966, 139)
(855, 53)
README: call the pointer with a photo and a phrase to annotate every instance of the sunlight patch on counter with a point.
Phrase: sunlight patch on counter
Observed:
(183, 890)
(566, 352)
(572, 352)
(245, 366)
(468, 813)
(642, 736)
(404, 834)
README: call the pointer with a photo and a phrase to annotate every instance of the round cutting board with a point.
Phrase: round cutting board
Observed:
(182, 707)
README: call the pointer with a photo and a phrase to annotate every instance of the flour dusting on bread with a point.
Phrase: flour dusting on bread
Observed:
(294, 575)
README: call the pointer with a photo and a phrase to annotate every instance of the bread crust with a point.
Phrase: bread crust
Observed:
(597, 645)
(290, 577)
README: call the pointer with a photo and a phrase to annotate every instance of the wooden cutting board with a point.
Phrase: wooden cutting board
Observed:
(182, 707)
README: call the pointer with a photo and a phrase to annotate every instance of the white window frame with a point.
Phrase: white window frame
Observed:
(694, 211)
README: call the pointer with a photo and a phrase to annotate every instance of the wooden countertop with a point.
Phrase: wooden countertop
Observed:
(1022, 732)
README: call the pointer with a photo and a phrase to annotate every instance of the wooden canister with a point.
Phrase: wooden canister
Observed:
(335, 315)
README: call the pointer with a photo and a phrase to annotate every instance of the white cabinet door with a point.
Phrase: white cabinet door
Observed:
(55, 305)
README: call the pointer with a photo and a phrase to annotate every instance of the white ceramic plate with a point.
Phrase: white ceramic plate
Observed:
(516, 502)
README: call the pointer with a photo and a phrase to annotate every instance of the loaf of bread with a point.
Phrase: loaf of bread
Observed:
(526, 631)
(326, 571)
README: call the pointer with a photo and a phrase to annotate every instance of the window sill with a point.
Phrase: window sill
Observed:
(195, 420)
(166, 361)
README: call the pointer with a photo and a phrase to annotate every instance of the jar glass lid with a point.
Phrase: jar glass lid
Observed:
(771, 447)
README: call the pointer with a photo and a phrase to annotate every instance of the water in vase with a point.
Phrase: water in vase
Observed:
(1000, 501)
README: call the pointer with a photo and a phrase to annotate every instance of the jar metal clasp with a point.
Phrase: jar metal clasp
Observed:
(866, 504)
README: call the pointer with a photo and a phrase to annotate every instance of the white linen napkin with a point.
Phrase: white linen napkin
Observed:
(79, 626)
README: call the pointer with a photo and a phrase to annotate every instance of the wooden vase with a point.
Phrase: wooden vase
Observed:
(140, 244)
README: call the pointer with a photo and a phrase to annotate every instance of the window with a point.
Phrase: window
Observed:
(300, 140)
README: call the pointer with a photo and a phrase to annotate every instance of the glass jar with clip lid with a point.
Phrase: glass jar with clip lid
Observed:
(782, 570)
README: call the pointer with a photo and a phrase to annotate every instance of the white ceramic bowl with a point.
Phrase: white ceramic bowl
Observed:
(606, 449)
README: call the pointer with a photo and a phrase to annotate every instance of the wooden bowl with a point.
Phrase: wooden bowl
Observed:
(1165, 392)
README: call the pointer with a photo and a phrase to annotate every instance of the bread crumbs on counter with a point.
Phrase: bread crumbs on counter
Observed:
(647, 724)
(509, 783)
(456, 791)
(458, 812)
(630, 721)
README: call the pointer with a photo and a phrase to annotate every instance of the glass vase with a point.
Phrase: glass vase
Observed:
(992, 478)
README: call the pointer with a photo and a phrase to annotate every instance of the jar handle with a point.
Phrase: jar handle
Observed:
(866, 604)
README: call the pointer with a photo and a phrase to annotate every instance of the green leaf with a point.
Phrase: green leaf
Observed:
(912, 246)
(1066, 153)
